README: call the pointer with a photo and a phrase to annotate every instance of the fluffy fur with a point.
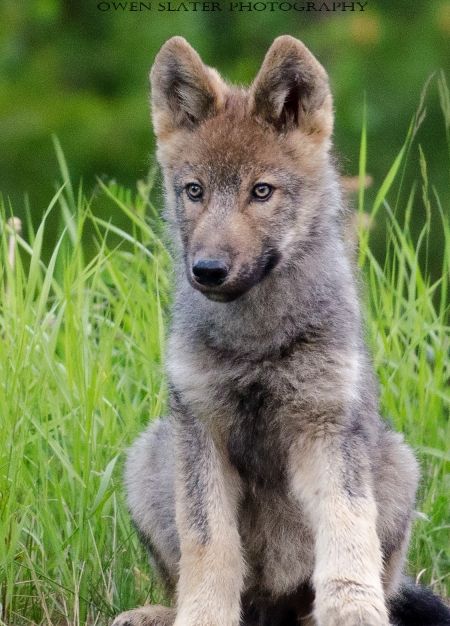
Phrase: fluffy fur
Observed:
(274, 493)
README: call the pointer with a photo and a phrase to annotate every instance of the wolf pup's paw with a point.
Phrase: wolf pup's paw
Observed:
(146, 616)
(353, 615)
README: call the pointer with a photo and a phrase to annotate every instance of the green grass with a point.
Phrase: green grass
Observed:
(82, 339)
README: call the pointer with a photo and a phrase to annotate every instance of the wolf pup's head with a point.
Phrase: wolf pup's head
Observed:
(244, 169)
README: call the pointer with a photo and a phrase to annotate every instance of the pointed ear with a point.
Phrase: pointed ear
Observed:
(184, 90)
(291, 90)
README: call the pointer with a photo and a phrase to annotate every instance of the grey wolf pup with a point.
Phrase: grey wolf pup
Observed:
(273, 494)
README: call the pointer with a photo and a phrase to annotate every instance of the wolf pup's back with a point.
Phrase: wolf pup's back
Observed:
(273, 494)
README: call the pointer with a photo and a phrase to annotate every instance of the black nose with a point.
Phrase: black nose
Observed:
(210, 272)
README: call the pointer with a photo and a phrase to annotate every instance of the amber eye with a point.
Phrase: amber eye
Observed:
(262, 191)
(194, 191)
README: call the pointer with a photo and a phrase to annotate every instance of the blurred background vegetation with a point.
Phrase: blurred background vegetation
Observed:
(70, 69)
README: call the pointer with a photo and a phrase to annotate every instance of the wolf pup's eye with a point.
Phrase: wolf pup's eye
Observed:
(262, 191)
(194, 191)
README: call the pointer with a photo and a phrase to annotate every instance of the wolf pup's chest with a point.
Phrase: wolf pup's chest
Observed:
(254, 441)
(247, 414)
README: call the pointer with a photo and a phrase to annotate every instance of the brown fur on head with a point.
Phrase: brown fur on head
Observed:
(231, 146)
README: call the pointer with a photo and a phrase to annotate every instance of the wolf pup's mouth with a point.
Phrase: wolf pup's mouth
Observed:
(229, 291)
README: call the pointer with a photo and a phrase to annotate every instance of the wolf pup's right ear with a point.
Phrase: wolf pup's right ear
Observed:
(291, 90)
(184, 91)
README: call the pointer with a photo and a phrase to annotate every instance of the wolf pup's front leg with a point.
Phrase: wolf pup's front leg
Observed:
(331, 477)
(211, 567)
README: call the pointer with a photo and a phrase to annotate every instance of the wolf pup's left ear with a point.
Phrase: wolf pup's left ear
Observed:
(184, 91)
(291, 90)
